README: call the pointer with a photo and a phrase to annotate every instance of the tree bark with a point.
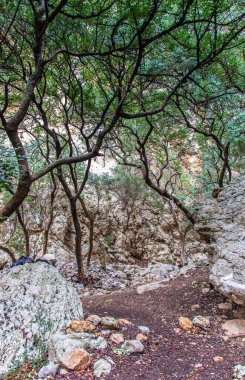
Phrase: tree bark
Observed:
(25, 231)
(78, 242)
(9, 251)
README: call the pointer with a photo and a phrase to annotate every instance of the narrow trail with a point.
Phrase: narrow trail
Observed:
(171, 354)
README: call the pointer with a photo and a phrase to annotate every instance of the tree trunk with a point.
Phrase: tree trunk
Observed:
(91, 241)
(78, 243)
(9, 251)
(25, 231)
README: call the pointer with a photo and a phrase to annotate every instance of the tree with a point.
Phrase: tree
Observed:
(113, 55)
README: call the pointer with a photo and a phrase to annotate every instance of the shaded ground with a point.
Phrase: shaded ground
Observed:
(169, 354)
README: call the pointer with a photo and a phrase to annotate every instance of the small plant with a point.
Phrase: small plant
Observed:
(122, 351)
(25, 368)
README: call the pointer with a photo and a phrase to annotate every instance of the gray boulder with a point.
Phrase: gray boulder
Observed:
(221, 222)
(35, 302)
(61, 343)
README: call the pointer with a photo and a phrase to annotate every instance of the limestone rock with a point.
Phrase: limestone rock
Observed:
(124, 322)
(76, 360)
(144, 330)
(239, 372)
(200, 321)
(35, 302)
(133, 346)
(221, 221)
(109, 323)
(63, 371)
(61, 343)
(141, 337)
(95, 319)
(82, 326)
(225, 306)
(163, 270)
(185, 323)
(50, 258)
(234, 327)
(101, 368)
(218, 359)
(149, 287)
(48, 370)
(117, 338)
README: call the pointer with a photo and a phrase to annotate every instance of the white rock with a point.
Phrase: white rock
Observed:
(35, 302)
(95, 319)
(61, 343)
(200, 321)
(133, 346)
(234, 327)
(222, 221)
(48, 370)
(101, 368)
(49, 257)
(144, 330)
(149, 287)
(239, 372)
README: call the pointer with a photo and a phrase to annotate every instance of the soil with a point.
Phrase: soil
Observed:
(169, 353)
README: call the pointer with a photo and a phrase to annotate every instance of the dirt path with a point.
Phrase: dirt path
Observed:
(171, 355)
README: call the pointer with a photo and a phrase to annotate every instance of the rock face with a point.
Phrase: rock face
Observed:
(35, 302)
(221, 221)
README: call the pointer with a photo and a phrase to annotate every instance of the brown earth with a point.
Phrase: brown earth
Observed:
(169, 354)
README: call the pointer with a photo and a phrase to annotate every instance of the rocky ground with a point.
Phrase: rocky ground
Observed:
(172, 353)
(174, 343)
(120, 276)
(174, 348)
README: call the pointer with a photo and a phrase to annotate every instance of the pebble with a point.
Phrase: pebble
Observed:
(185, 323)
(144, 330)
(117, 338)
(200, 321)
(48, 370)
(133, 346)
(141, 337)
(218, 359)
(95, 319)
(225, 306)
(109, 323)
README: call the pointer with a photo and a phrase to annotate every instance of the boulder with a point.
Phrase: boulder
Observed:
(59, 344)
(35, 302)
(221, 222)
(49, 257)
